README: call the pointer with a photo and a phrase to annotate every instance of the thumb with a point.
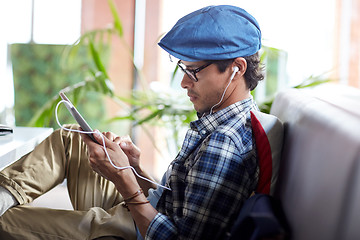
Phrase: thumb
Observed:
(126, 142)
(127, 145)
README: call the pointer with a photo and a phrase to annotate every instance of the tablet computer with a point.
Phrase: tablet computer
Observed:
(77, 116)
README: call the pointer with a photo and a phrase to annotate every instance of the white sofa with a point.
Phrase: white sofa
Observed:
(319, 179)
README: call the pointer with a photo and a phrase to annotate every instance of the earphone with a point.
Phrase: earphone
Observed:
(235, 70)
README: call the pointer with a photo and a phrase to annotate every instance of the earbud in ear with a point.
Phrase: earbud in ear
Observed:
(235, 70)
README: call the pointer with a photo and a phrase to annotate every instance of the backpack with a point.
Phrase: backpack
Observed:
(261, 217)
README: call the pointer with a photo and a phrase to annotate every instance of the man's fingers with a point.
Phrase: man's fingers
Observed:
(126, 142)
(117, 140)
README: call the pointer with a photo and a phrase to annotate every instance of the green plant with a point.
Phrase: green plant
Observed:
(164, 108)
(145, 107)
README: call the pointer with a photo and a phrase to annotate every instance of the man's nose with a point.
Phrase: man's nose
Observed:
(186, 82)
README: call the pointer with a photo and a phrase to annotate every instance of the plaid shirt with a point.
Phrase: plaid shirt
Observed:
(214, 172)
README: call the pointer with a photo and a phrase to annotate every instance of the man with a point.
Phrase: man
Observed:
(215, 171)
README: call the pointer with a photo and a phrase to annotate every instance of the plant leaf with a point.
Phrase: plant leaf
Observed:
(96, 57)
(117, 21)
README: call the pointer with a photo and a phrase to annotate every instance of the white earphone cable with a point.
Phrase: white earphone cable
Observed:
(104, 147)
(236, 69)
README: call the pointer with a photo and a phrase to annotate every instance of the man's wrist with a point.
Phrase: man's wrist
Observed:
(139, 170)
(126, 182)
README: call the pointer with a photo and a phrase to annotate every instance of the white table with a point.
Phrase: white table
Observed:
(20, 142)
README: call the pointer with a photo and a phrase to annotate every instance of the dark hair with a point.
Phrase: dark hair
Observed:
(253, 73)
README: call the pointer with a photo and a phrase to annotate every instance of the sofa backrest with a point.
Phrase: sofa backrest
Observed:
(319, 178)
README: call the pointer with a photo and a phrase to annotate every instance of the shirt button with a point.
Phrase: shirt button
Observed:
(203, 132)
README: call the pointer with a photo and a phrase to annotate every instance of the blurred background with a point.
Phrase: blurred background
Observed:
(105, 55)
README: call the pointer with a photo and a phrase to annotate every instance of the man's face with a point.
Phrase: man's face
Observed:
(207, 91)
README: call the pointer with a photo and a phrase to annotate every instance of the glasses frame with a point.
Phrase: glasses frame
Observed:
(192, 73)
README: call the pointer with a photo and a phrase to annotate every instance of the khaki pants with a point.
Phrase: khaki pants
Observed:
(98, 212)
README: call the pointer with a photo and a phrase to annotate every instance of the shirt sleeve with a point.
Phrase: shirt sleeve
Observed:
(220, 178)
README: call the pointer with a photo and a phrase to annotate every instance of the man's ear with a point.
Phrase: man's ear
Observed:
(241, 64)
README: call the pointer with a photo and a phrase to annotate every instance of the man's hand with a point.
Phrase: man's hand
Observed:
(132, 153)
(98, 159)
(129, 148)
(124, 180)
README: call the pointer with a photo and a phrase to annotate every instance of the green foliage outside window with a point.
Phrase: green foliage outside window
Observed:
(39, 74)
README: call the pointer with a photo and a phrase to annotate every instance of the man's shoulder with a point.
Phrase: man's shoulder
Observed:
(236, 124)
(237, 129)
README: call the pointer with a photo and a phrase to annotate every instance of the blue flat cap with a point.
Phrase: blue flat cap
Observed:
(213, 33)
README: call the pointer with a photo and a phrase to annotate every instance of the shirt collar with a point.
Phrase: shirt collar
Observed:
(210, 122)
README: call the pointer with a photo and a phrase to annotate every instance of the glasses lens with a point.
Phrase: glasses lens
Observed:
(190, 74)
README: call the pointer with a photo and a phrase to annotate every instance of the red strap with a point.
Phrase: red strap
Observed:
(264, 155)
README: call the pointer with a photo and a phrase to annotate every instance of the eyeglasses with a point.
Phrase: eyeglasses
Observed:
(191, 73)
